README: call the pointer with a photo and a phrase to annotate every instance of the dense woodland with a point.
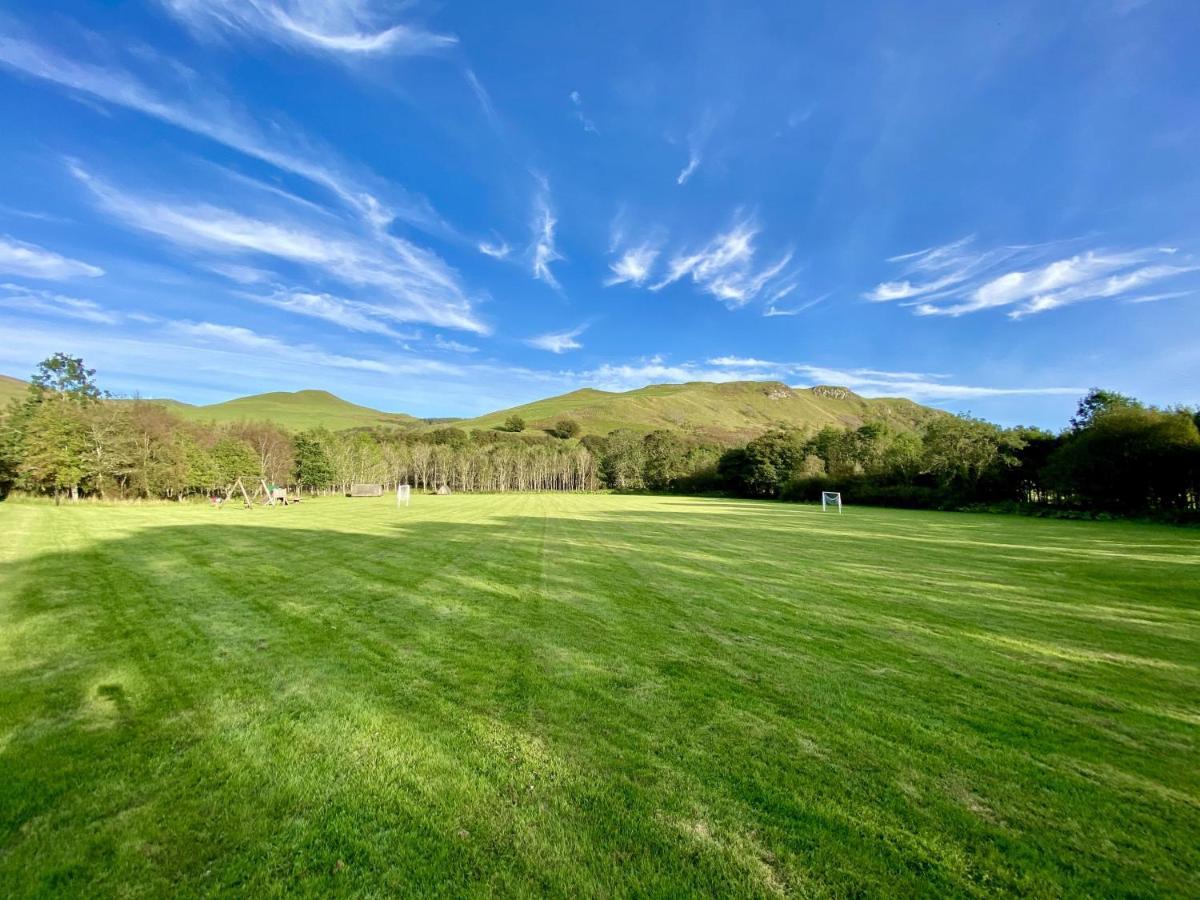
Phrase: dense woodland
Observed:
(65, 439)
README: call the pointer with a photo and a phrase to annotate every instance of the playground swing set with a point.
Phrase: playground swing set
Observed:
(271, 494)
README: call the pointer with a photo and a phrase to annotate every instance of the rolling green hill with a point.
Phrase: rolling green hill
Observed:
(11, 389)
(724, 411)
(296, 410)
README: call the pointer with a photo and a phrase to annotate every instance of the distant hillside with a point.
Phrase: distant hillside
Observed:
(296, 410)
(11, 389)
(722, 412)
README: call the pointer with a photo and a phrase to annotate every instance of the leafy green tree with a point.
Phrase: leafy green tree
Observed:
(867, 444)
(762, 467)
(1096, 402)
(453, 437)
(313, 467)
(1025, 478)
(663, 464)
(232, 459)
(14, 424)
(203, 472)
(66, 376)
(514, 424)
(902, 458)
(622, 461)
(1129, 459)
(837, 448)
(959, 449)
(564, 429)
(54, 451)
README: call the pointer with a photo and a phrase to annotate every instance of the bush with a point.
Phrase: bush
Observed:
(564, 429)
(514, 424)
(866, 491)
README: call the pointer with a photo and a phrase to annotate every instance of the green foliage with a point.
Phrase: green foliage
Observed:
(1119, 456)
(1130, 459)
(449, 436)
(232, 459)
(960, 449)
(1095, 403)
(66, 376)
(903, 456)
(623, 461)
(55, 446)
(204, 473)
(313, 467)
(564, 429)
(761, 468)
(512, 423)
(663, 460)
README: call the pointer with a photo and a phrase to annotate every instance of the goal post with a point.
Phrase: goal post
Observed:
(831, 498)
(403, 494)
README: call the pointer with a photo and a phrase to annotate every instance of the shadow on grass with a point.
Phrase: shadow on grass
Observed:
(615, 703)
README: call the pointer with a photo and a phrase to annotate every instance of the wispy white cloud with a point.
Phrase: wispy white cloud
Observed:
(495, 249)
(959, 280)
(30, 214)
(577, 109)
(352, 315)
(542, 250)
(453, 346)
(936, 269)
(739, 362)
(15, 296)
(1080, 288)
(687, 171)
(344, 27)
(245, 339)
(633, 266)
(213, 118)
(409, 283)
(243, 274)
(558, 342)
(772, 310)
(1167, 295)
(32, 261)
(867, 382)
(484, 98)
(725, 267)
(696, 142)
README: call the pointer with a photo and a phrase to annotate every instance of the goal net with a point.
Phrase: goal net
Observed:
(831, 498)
(403, 494)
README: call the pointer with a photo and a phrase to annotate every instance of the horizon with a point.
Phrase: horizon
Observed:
(984, 211)
(434, 417)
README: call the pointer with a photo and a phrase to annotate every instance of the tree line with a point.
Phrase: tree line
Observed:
(66, 439)
(1117, 455)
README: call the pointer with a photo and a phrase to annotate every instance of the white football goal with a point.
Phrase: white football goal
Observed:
(403, 494)
(831, 498)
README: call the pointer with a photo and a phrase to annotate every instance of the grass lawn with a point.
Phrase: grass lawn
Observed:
(594, 695)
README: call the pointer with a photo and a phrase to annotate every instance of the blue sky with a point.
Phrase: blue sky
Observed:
(446, 208)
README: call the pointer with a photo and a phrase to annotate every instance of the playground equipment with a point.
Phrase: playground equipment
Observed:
(271, 494)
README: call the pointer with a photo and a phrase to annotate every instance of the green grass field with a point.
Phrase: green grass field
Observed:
(594, 696)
